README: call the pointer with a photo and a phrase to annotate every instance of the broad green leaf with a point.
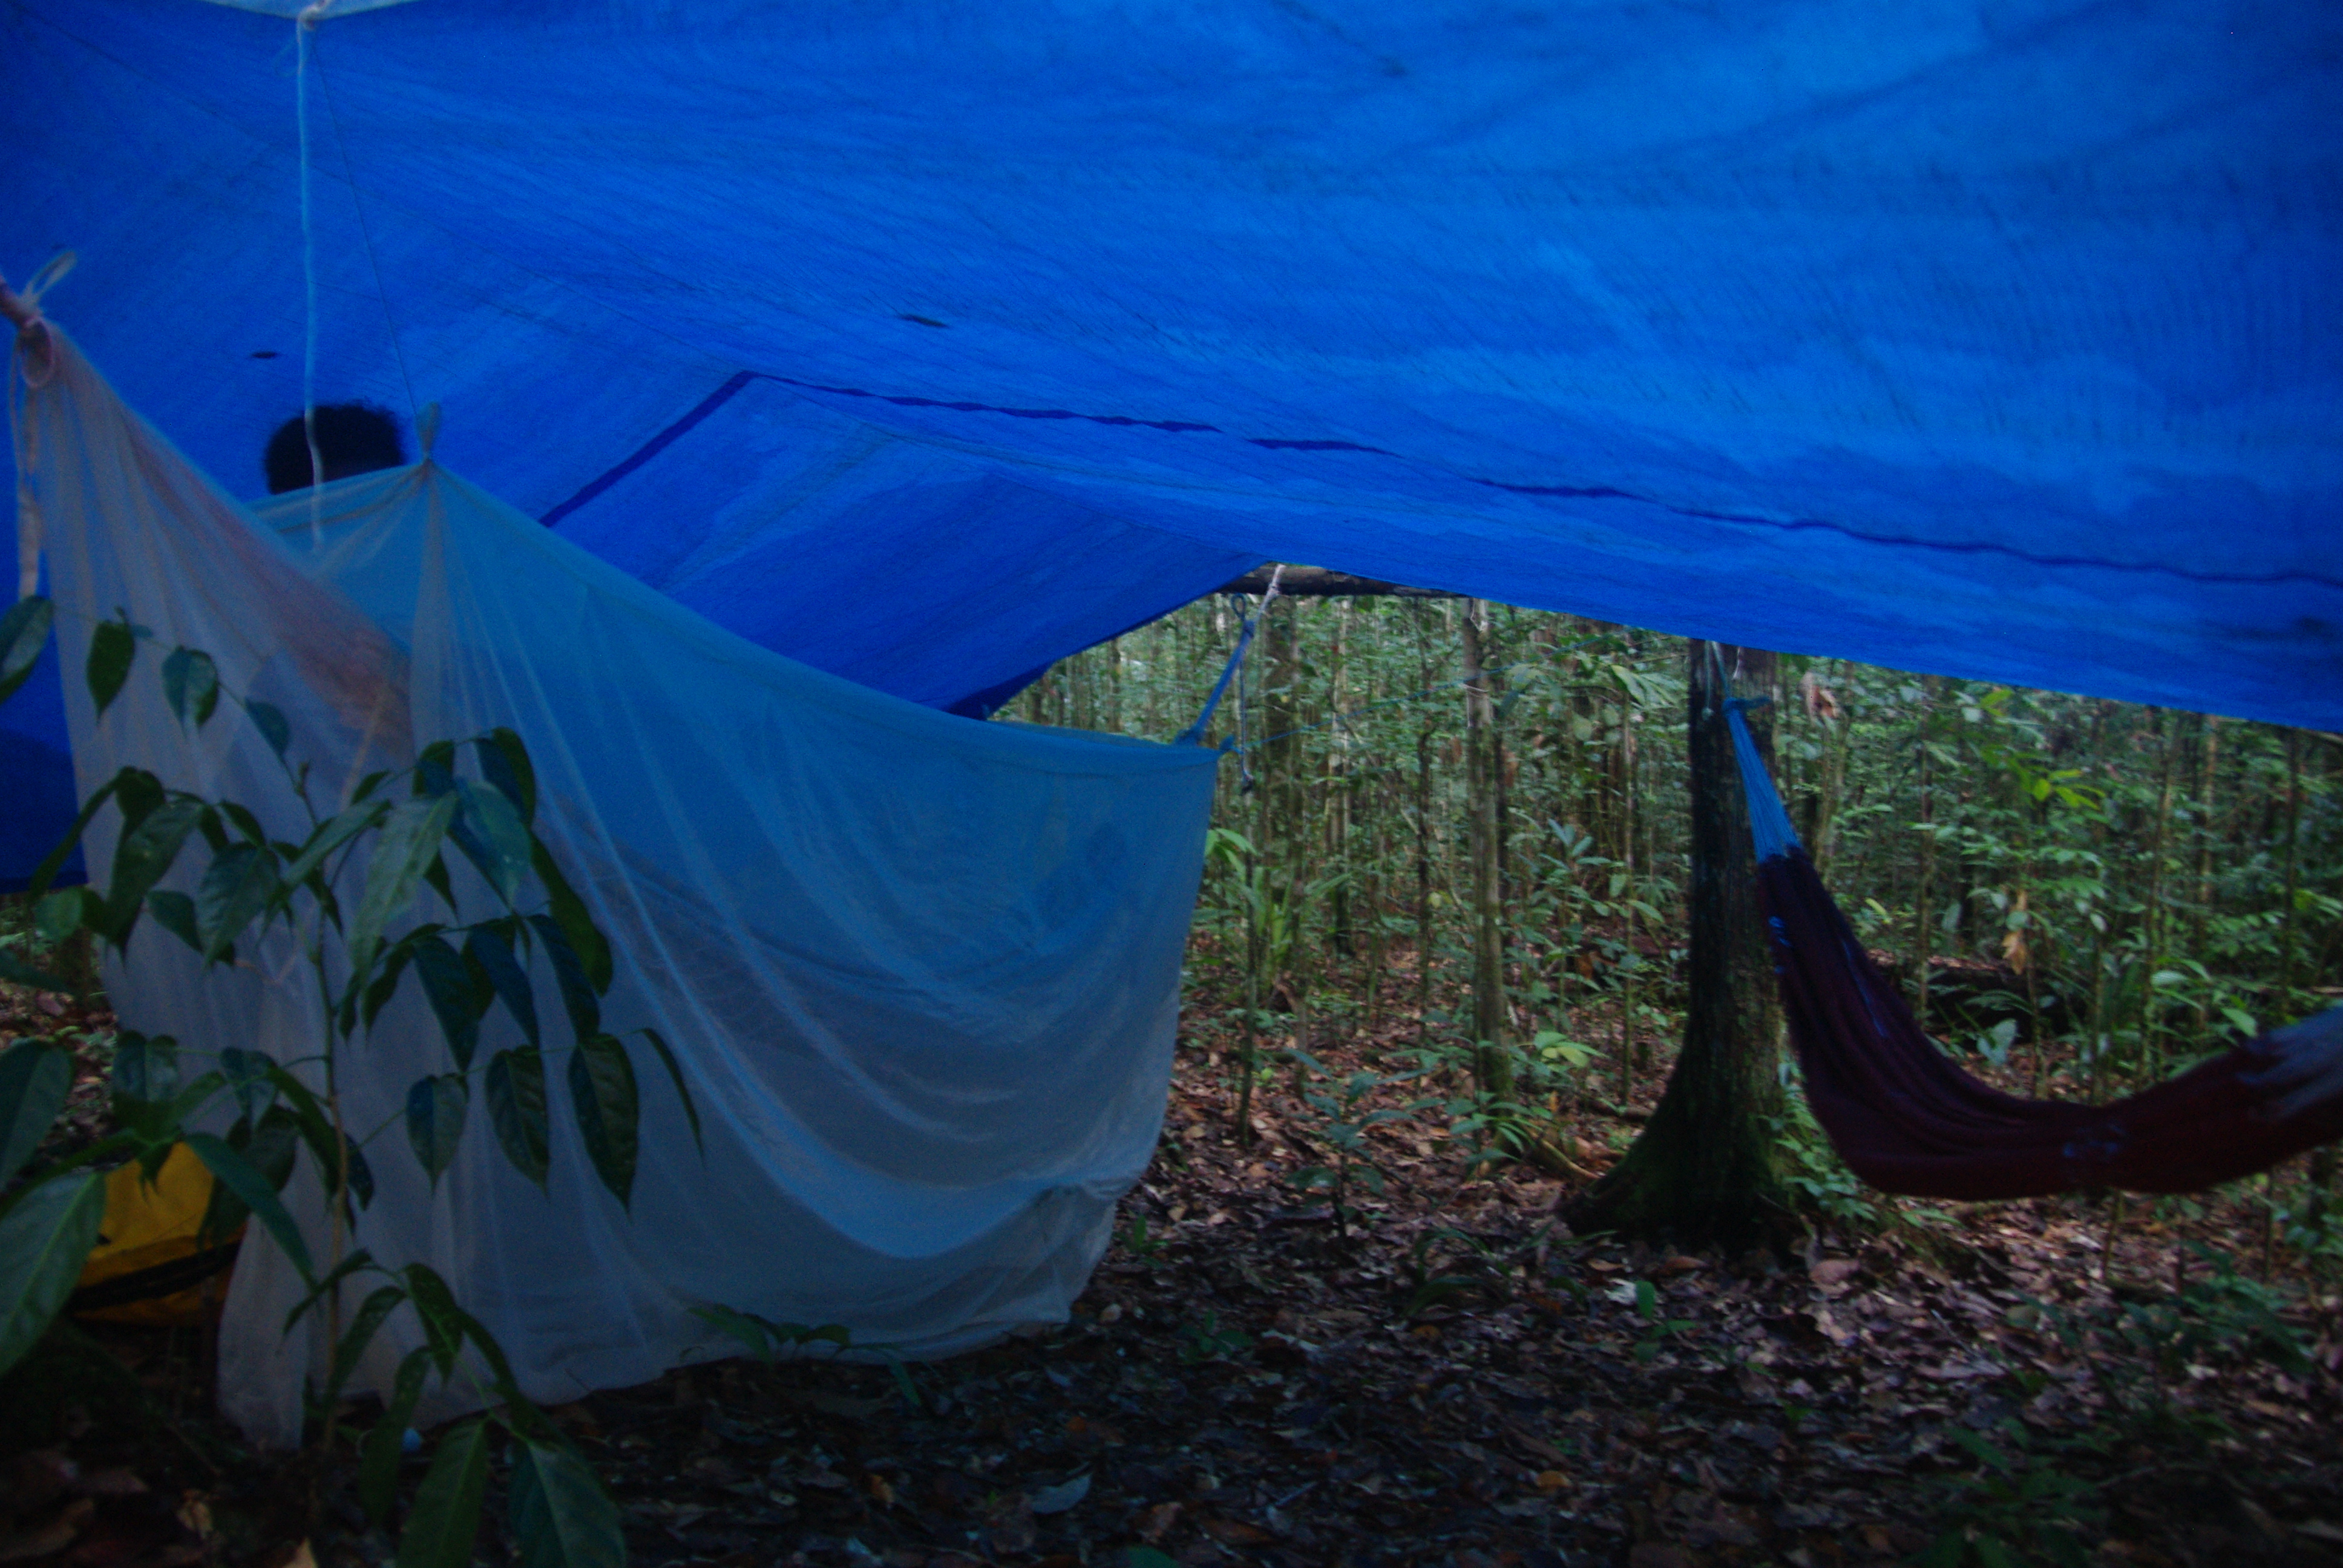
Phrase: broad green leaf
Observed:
(516, 1089)
(435, 875)
(191, 685)
(435, 1121)
(434, 770)
(275, 1144)
(16, 972)
(45, 872)
(504, 842)
(269, 1148)
(560, 1516)
(747, 1328)
(45, 1239)
(379, 1305)
(190, 1100)
(569, 912)
(258, 1196)
(445, 1518)
(602, 1091)
(35, 1079)
(60, 914)
(504, 762)
(146, 1068)
(332, 835)
(112, 647)
(384, 984)
(138, 793)
(246, 1073)
(407, 844)
(491, 948)
(675, 1076)
(447, 985)
(24, 632)
(500, 1373)
(1146, 1557)
(577, 998)
(386, 1443)
(142, 854)
(358, 1261)
(318, 1131)
(176, 913)
(269, 720)
(236, 885)
(443, 1320)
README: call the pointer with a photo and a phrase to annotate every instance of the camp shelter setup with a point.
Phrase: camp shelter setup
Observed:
(925, 970)
(923, 346)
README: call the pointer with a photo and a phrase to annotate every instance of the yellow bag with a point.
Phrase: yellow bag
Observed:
(153, 1263)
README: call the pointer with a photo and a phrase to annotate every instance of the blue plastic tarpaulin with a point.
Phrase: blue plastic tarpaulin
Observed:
(928, 343)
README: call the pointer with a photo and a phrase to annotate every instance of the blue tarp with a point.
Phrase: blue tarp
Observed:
(1989, 339)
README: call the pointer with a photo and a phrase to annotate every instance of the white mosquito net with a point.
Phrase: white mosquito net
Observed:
(922, 972)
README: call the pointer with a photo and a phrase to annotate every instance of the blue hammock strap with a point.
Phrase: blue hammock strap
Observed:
(1769, 824)
(1194, 734)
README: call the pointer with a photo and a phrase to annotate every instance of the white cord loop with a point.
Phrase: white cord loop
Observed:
(36, 361)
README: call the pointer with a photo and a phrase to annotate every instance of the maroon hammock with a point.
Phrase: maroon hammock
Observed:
(1906, 1119)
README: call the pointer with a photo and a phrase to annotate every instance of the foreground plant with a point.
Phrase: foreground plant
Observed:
(396, 826)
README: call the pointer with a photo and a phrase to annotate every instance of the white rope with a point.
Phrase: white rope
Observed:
(366, 236)
(303, 25)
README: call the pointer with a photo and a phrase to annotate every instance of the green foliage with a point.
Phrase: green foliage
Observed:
(250, 889)
(1344, 1120)
(772, 1342)
(560, 1516)
(2016, 1507)
(2223, 1316)
(1814, 1171)
(24, 629)
(1658, 1328)
(1138, 1243)
(769, 1340)
(1208, 1342)
(45, 1234)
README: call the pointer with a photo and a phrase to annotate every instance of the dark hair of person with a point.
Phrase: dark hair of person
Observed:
(352, 438)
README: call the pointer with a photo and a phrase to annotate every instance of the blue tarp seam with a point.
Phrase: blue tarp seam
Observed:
(724, 394)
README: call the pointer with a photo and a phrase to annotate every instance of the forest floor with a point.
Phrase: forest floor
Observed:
(1457, 1380)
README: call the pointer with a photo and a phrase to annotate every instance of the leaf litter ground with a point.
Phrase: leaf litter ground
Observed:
(1459, 1381)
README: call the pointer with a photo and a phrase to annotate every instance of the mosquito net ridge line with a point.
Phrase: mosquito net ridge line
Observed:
(922, 973)
(1907, 1118)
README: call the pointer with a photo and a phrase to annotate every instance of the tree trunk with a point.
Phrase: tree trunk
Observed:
(1423, 927)
(1706, 1168)
(1923, 923)
(1491, 1066)
(2151, 1008)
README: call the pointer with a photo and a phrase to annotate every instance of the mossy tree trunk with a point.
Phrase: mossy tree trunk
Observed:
(1707, 1169)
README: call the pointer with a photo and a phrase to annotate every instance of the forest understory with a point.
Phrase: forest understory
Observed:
(1440, 969)
(1447, 1377)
